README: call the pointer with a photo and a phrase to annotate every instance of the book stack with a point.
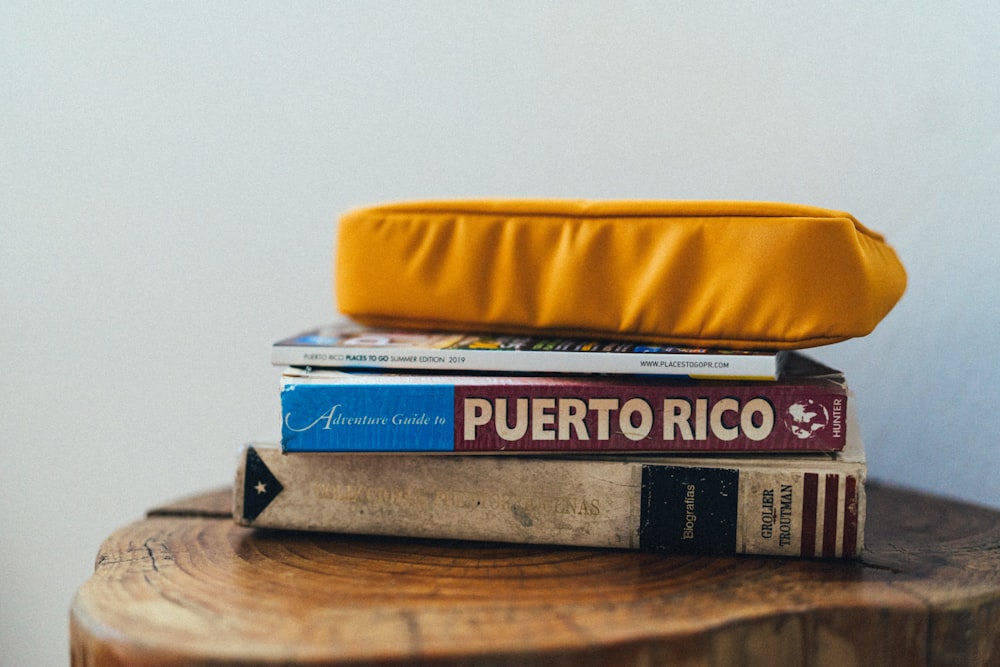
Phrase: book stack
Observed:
(527, 439)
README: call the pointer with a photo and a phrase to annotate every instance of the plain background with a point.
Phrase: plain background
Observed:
(171, 173)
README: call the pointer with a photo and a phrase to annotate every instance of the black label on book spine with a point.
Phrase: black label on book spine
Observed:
(689, 510)
(260, 486)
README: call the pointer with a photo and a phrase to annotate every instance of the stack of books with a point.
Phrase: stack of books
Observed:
(590, 443)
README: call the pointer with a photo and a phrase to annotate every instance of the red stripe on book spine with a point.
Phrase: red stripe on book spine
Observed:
(851, 516)
(810, 490)
(831, 507)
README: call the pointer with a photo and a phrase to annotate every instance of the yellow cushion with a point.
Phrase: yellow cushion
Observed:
(727, 274)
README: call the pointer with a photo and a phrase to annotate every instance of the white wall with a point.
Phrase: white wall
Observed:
(171, 175)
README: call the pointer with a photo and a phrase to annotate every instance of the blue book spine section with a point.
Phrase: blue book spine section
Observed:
(397, 418)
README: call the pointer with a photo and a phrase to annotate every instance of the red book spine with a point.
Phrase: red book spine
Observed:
(604, 417)
(328, 411)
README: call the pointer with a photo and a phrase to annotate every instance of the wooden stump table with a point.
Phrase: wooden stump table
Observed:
(188, 586)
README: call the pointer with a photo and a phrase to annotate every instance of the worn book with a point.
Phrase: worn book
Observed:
(337, 411)
(349, 345)
(805, 505)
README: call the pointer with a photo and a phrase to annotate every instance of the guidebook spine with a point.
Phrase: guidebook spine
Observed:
(457, 353)
(519, 415)
(707, 365)
(696, 506)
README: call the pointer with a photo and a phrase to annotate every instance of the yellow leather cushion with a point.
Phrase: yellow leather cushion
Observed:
(729, 274)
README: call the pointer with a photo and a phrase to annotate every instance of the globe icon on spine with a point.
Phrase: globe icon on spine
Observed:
(805, 419)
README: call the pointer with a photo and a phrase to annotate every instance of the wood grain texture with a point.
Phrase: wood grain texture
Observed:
(188, 586)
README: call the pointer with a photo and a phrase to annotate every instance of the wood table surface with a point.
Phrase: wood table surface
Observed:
(186, 585)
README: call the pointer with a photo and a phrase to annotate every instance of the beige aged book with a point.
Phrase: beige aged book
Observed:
(809, 505)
